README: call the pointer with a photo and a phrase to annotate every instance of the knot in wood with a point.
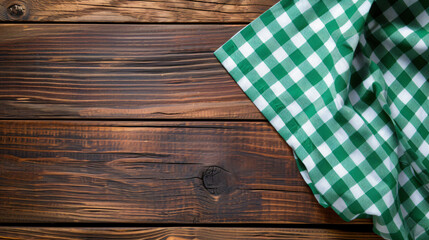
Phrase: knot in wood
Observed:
(215, 180)
(16, 10)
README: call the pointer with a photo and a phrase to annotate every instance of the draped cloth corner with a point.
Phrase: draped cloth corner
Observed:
(345, 83)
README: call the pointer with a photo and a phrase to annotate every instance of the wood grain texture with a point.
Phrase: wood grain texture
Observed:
(184, 11)
(118, 71)
(151, 172)
(182, 233)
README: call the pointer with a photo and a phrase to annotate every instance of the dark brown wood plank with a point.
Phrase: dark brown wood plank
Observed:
(117, 71)
(184, 11)
(151, 172)
(182, 233)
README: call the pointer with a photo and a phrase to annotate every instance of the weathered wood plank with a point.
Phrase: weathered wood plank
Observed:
(151, 172)
(183, 11)
(117, 71)
(183, 233)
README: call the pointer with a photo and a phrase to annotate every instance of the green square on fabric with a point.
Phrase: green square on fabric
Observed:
(278, 71)
(230, 47)
(248, 33)
(277, 105)
(281, 37)
(263, 52)
(340, 187)
(245, 66)
(295, 91)
(267, 18)
(261, 85)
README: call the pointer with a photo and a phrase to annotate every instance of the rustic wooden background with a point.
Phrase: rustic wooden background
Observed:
(118, 122)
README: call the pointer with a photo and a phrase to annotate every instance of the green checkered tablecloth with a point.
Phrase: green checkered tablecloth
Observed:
(345, 83)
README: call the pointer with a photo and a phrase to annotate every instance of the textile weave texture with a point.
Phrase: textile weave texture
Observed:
(345, 83)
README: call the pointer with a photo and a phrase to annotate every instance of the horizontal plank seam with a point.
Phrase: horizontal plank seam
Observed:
(135, 119)
(345, 227)
(122, 23)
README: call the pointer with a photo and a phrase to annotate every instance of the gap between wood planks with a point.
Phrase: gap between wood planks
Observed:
(347, 227)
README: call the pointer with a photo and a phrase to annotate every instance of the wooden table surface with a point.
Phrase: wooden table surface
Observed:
(117, 122)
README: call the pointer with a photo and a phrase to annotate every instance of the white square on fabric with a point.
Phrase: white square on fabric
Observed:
(322, 185)
(341, 135)
(342, 66)
(317, 25)
(260, 103)
(423, 18)
(389, 78)
(409, 130)
(283, 20)
(246, 49)
(340, 170)
(416, 168)
(264, 34)
(421, 114)
(405, 96)
(244, 83)
(294, 108)
(277, 122)
(346, 27)
(280, 54)
(369, 114)
(357, 157)
(328, 79)
(308, 128)
(389, 164)
(405, 31)
(356, 121)
(354, 97)
(325, 114)
(314, 60)
(336, 11)
(403, 179)
(293, 142)
(394, 111)
(278, 88)
(324, 149)
(364, 8)
(397, 220)
(309, 163)
(296, 74)
(424, 149)
(416, 197)
(419, 79)
(357, 191)
(262, 69)
(373, 142)
(340, 205)
(339, 102)
(420, 47)
(403, 61)
(303, 5)
(229, 64)
(368, 82)
(298, 40)
(385, 132)
(390, 14)
(330, 44)
(312, 94)
(373, 210)
(388, 199)
(373, 178)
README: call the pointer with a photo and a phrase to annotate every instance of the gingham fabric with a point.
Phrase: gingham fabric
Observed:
(345, 83)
